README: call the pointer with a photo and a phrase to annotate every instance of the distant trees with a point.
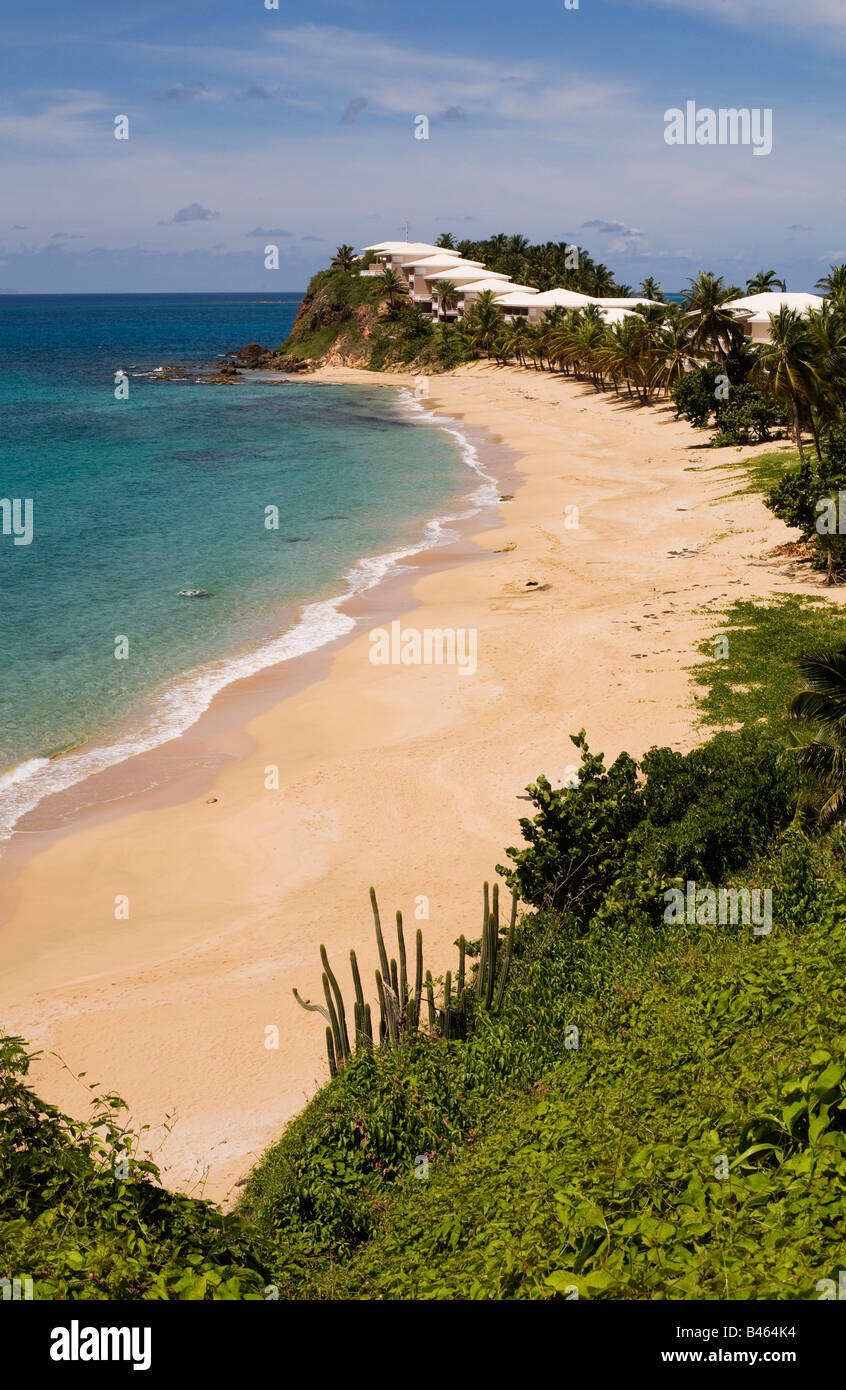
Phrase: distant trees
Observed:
(344, 257)
(445, 295)
(834, 283)
(714, 330)
(392, 287)
(765, 280)
(650, 289)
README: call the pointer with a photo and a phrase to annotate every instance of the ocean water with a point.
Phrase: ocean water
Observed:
(134, 500)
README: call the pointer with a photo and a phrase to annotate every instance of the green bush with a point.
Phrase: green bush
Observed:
(808, 498)
(71, 1222)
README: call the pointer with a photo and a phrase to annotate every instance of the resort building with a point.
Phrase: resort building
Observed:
(423, 274)
(753, 311)
(421, 266)
(532, 305)
(393, 255)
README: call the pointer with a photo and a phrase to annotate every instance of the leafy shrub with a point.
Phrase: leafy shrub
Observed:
(747, 417)
(72, 1224)
(609, 846)
(576, 842)
(804, 498)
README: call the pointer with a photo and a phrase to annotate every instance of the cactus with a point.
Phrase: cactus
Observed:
(403, 978)
(506, 962)
(418, 978)
(333, 1065)
(387, 1006)
(359, 992)
(400, 1007)
(312, 1008)
(333, 1019)
(493, 942)
(430, 1000)
(343, 1036)
(479, 982)
(383, 955)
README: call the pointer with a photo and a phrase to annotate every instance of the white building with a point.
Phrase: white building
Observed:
(753, 311)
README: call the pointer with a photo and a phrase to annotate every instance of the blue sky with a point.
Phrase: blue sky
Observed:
(251, 125)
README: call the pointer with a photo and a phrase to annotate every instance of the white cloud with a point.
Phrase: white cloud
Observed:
(812, 19)
(63, 122)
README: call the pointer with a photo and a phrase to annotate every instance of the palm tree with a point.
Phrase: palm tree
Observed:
(392, 287)
(714, 328)
(827, 332)
(602, 281)
(786, 365)
(483, 322)
(762, 282)
(344, 257)
(818, 739)
(446, 296)
(446, 240)
(517, 340)
(833, 285)
(673, 349)
(650, 289)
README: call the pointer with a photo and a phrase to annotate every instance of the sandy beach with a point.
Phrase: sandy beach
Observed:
(404, 777)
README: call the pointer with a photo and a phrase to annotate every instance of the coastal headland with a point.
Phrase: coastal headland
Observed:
(588, 597)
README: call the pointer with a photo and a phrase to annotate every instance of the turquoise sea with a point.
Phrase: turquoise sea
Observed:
(134, 500)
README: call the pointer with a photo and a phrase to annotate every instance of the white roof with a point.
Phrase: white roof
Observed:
(433, 262)
(398, 248)
(517, 298)
(465, 272)
(762, 305)
(620, 303)
(614, 313)
(562, 299)
(498, 287)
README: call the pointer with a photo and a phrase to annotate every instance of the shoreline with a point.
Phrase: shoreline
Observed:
(126, 752)
(406, 778)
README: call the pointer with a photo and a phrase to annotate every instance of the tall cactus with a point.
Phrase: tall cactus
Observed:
(418, 979)
(343, 1036)
(399, 1006)
(506, 961)
(330, 1048)
(430, 1000)
(403, 975)
(383, 955)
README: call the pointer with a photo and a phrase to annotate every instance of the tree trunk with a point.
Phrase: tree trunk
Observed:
(816, 435)
(796, 429)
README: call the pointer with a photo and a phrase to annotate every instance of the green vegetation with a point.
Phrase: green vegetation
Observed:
(629, 1106)
(810, 497)
(757, 678)
(602, 1101)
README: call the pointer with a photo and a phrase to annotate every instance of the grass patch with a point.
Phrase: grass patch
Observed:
(755, 681)
(762, 471)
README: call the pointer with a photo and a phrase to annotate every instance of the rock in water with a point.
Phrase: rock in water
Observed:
(193, 593)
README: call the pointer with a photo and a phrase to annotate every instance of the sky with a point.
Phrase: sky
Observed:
(251, 125)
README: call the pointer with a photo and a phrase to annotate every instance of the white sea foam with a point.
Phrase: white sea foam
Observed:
(22, 787)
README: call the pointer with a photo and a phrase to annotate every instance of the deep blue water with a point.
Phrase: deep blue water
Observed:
(134, 500)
